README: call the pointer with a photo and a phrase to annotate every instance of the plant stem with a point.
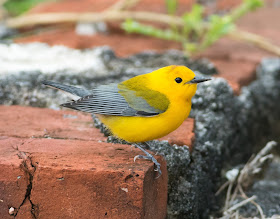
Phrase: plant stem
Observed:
(112, 15)
(256, 40)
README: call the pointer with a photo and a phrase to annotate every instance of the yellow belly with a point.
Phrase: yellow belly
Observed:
(141, 129)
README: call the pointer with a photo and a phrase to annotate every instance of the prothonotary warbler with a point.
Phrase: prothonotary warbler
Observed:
(140, 109)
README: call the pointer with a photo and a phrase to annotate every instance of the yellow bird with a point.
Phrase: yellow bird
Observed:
(140, 109)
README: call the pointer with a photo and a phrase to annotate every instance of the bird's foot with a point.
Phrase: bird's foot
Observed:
(149, 157)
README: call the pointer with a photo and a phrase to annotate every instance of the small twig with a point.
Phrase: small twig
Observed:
(259, 209)
(234, 194)
(269, 146)
(222, 188)
(250, 168)
(237, 215)
(227, 202)
(253, 202)
(240, 204)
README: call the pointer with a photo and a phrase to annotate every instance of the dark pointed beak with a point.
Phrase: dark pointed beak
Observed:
(196, 80)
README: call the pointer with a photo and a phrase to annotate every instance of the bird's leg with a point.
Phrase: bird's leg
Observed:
(148, 157)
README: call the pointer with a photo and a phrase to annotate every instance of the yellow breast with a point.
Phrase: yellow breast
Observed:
(141, 129)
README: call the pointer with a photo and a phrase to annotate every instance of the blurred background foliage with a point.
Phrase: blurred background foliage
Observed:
(198, 31)
(18, 7)
(195, 29)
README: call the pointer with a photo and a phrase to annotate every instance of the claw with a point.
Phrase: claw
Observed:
(157, 169)
(148, 157)
(159, 174)
(135, 158)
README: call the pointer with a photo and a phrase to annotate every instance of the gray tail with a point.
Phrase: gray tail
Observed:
(80, 92)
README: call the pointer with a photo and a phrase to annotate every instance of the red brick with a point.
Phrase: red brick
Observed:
(237, 73)
(25, 212)
(184, 135)
(25, 122)
(73, 177)
(13, 179)
(68, 124)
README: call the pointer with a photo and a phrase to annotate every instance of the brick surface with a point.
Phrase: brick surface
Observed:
(238, 73)
(74, 175)
(13, 179)
(25, 122)
(184, 135)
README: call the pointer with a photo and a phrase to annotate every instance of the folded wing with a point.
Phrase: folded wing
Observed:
(113, 100)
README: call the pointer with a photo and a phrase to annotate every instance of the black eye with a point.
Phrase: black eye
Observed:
(178, 80)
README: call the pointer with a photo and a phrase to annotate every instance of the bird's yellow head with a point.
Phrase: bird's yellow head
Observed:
(176, 82)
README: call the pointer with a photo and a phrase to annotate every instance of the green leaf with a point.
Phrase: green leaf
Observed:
(131, 26)
(254, 4)
(245, 7)
(218, 27)
(17, 7)
(171, 6)
(190, 47)
(193, 20)
(197, 33)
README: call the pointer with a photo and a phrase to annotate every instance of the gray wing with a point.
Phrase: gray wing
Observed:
(80, 92)
(107, 100)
